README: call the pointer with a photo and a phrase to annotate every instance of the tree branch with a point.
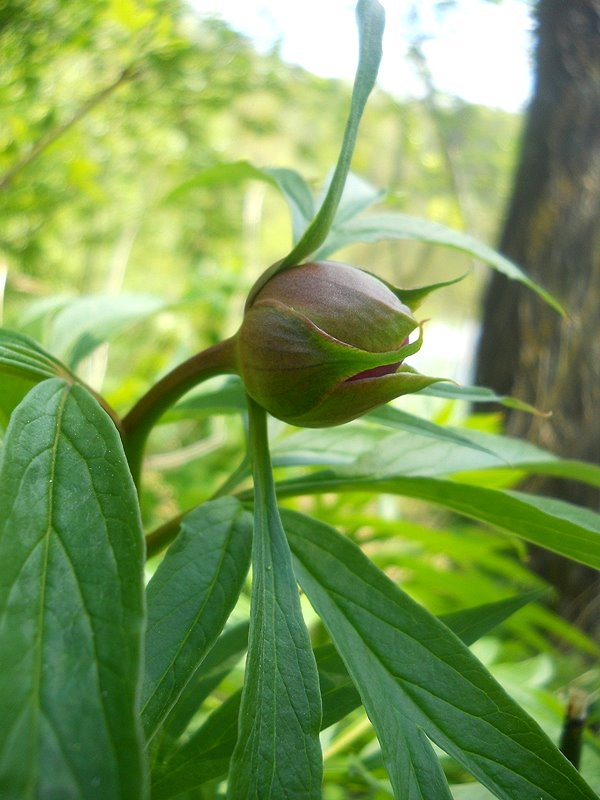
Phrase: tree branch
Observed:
(129, 73)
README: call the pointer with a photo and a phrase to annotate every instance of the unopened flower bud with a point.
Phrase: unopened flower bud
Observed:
(323, 343)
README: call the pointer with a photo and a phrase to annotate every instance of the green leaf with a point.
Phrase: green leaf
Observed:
(225, 173)
(203, 757)
(476, 394)
(23, 364)
(562, 527)
(71, 603)
(392, 417)
(371, 22)
(189, 598)
(227, 651)
(470, 624)
(206, 754)
(298, 195)
(393, 225)
(278, 753)
(86, 322)
(410, 668)
(228, 398)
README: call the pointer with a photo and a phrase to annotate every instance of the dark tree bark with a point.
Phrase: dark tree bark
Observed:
(552, 229)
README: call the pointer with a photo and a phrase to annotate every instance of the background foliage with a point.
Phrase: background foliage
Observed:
(125, 247)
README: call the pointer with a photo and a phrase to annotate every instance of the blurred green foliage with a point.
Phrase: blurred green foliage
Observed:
(107, 108)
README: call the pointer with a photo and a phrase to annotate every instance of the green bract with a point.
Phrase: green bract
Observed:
(323, 343)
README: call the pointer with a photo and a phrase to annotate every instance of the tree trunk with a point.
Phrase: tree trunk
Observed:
(552, 229)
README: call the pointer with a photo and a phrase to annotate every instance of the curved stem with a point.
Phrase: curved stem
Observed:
(137, 424)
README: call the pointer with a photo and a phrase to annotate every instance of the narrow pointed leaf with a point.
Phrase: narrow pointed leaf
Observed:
(299, 198)
(371, 22)
(224, 174)
(554, 524)
(190, 597)
(278, 753)
(71, 603)
(227, 651)
(478, 394)
(206, 754)
(408, 666)
(393, 225)
(470, 624)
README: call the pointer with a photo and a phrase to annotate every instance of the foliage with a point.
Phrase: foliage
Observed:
(114, 689)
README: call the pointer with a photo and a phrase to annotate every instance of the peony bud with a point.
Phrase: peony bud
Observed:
(323, 343)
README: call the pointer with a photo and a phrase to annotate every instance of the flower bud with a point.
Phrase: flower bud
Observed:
(323, 343)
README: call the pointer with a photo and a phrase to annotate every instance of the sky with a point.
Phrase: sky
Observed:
(475, 49)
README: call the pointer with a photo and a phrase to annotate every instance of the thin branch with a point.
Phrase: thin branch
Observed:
(129, 73)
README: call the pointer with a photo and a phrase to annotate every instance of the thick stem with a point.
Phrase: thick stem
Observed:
(137, 424)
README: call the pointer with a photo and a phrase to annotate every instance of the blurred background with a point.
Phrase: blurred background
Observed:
(130, 235)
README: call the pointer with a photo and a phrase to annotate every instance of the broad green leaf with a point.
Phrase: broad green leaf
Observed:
(189, 599)
(371, 22)
(23, 364)
(71, 603)
(393, 225)
(86, 322)
(278, 753)
(409, 667)
(562, 527)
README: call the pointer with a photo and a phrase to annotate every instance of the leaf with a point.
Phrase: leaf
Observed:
(225, 173)
(389, 416)
(189, 598)
(203, 757)
(71, 603)
(393, 225)
(23, 364)
(470, 624)
(556, 525)
(477, 394)
(298, 195)
(357, 195)
(86, 322)
(409, 667)
(229, 648)
(206, 754)
(371, 22)
(229, 398)
(278, 753)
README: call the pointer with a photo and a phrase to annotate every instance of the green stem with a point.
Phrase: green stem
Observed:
(136, 425)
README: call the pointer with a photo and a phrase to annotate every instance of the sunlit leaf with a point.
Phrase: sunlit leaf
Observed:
(86, 322)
